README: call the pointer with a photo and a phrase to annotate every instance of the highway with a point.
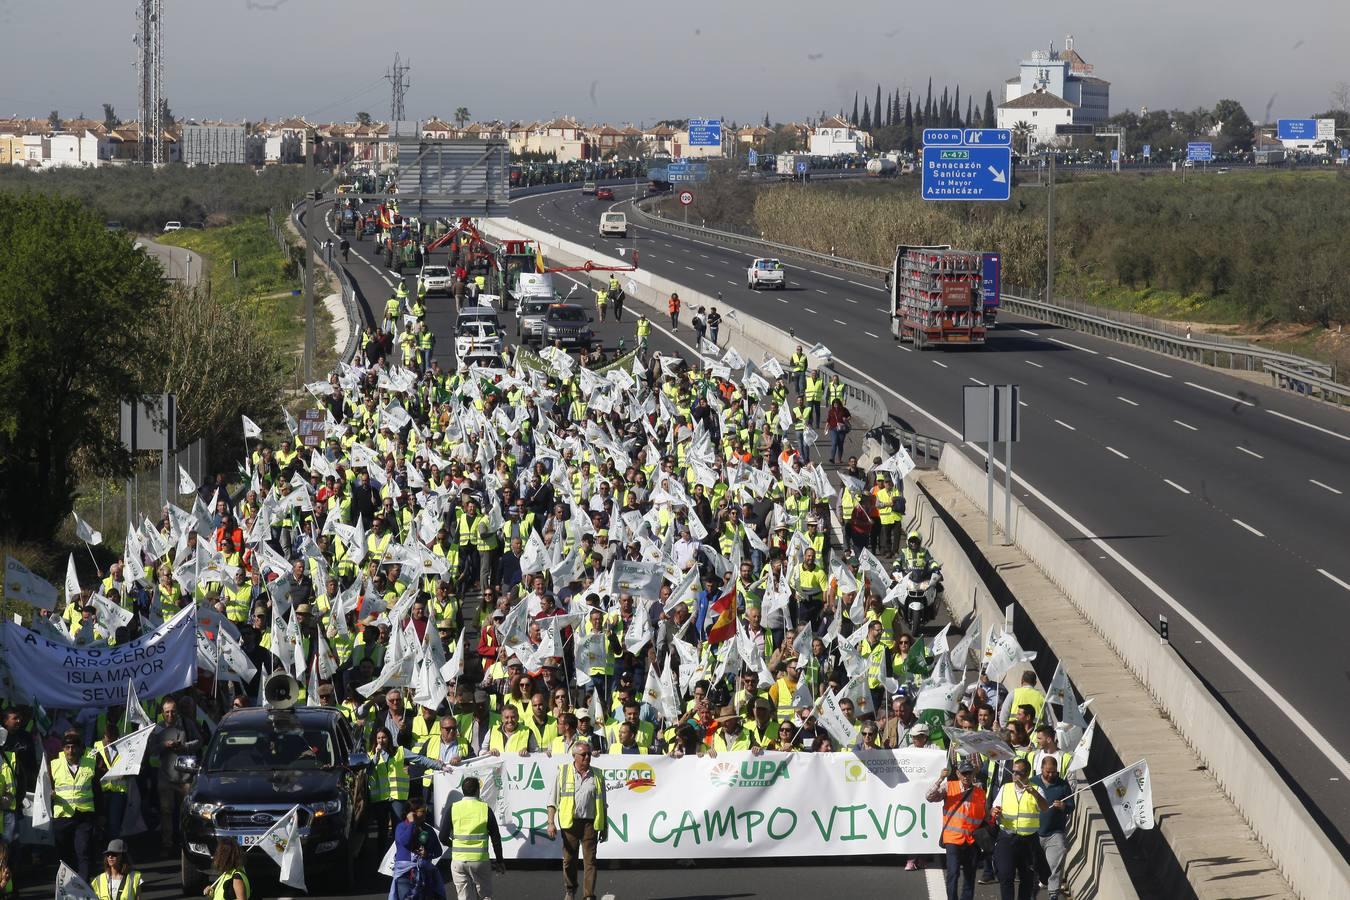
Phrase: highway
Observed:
(1221, 503)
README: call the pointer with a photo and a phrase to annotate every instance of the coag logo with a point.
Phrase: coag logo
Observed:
(751, 773)
(854, 771)
(638, 778)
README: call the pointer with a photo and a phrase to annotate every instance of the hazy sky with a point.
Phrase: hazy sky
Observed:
(643, 61)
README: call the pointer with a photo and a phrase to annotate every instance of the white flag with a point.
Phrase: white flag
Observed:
(454, 666)
(291, 425)
(669, 692)
(833, 720)
(945, 697)
(1004, 652)
(1059, 686)
(128, 753)
(70, 886)
(185, 483)
(134, 715)
(41, 811)
(251, 429)
(1131, 795)
(109, 615)
(1081, 753)
(85, 533)
(22, 584)
(282, 843)
(72, 580)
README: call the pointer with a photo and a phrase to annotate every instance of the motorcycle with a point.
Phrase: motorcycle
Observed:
(920, 592)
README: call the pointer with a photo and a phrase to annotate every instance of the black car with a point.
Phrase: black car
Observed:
(259, 764)
(568, 325)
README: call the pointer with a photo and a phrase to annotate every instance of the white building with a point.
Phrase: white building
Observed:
(1054, 88)
(835, 136)
(83, 150)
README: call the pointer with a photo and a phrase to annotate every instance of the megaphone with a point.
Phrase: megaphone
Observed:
(280, 691)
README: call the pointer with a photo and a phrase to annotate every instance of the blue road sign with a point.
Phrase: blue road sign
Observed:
(1345, 153)
(802, 168)
(1148, 151)
(754, 158)
(987, 137)
(1297, 129)
(705, 132)
(945, 137)
(967, 173)
(1200, 151)
(686, 172)
(1115, 156)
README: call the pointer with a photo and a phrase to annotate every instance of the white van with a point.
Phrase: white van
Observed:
(613, 223)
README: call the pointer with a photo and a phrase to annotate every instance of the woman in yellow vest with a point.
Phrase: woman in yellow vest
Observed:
(73, 802)
(388, 784)
(118, 880)
(233, 881)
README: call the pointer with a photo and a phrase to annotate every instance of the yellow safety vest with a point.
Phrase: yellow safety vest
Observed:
(1028, 696)
(567, 789)
(223, 884)
(129, 889)
(391, 778)
(517, 742)
(885, 499)
(1019, 817)
(469, 830)
(237, 602)
(115, 785)
(72, 793)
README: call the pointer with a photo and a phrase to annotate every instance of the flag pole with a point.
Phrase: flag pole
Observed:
(1088, 787)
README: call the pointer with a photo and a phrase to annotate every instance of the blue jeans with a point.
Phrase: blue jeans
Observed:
(837, 444)
(115, 805)
(960, 864)
(803, 447)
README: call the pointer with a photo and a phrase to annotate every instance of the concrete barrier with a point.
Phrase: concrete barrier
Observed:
(1093, 865)
(1261, 804)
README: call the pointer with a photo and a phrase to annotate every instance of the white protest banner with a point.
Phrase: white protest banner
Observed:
(57, 675)
(783, 805)
(984, 743)
(70, 886)
(1130, 793)
(24, 586)
(640, 579)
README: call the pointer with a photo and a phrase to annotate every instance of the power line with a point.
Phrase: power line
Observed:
(398, 81)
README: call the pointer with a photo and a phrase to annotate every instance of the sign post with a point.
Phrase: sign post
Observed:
(967, 164)
(991, 413)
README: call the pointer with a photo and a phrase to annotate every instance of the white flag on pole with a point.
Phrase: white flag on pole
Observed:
(41, 812)
(84, 532)
(22, 584)
(70, 886)
(282, 843)
(185, 483)
(134, 715)
(72, 580)
(1005, 652)
(128, 753)
(251, 429)
(1130, 793)
(1081, 753)
(109, 615)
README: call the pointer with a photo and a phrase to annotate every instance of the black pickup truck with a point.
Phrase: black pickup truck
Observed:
(258, 765)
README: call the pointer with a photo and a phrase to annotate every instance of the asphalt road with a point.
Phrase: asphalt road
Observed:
(1221, 503)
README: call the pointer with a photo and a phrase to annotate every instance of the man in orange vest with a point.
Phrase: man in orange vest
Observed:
(964, 809)
(674, 308)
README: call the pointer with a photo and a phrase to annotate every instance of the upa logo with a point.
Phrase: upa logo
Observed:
(750, 773)
(638, 778)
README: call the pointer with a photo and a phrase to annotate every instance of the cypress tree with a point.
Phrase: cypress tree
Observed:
(854, 120)
(928, 103)
(876, 107)
(956, 107)
(989, 119)
(866, 123)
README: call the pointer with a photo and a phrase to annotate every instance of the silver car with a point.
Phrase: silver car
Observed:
(530, 319)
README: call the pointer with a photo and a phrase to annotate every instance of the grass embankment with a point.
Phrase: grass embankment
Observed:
(264, 285)
(1257, 255)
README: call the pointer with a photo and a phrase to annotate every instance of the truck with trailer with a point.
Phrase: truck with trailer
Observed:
(937, 297)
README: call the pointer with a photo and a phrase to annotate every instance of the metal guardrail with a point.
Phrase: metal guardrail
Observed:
(1300, 382)
(1221, 353)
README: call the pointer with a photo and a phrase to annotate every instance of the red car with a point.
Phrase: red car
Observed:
(604, 193)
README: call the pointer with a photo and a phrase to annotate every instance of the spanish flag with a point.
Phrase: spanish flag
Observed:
(538, 258)
(723, 615)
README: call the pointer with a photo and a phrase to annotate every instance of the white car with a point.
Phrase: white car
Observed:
(612, 223)
(477, 334)
(173, 226)
(765, 273)
(435, 280)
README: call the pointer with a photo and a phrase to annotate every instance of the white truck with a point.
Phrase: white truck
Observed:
(765, 272)
(614, 224)
(794, 166)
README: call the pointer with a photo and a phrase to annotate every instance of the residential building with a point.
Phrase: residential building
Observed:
(1034, 117)
(836, 136)
(1054, 88)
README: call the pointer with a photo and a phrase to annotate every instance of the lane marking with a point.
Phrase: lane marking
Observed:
(943, 364)
(828, 275)
(1074, 346)
(1334, 434)
(1175, 485)
(1334, 578)
(978, 381)
(1125, 362)
(879, 309)
(780, 300)
(1251, 452)
(1032, 333)
(1201, 387)
(1036, 364)
(819, 291)
(840, 322)
(1184, 425)
(870, 287)
(871, 335)
(1325, 487)
(904, 348)
(690, 268)
(1078, 381)
(732, 283)
(1117, 452)
(849, 300)
(1065, 424)
(710, 274)
(809, 309)
(1248, 527)
(1126, 400)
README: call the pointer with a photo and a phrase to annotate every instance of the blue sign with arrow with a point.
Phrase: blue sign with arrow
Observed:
(705, 132)
(967, 164)
(754, 158)
(1148, 151)
(1200, 151)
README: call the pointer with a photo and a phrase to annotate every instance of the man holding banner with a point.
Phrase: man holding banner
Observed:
(578, 812)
